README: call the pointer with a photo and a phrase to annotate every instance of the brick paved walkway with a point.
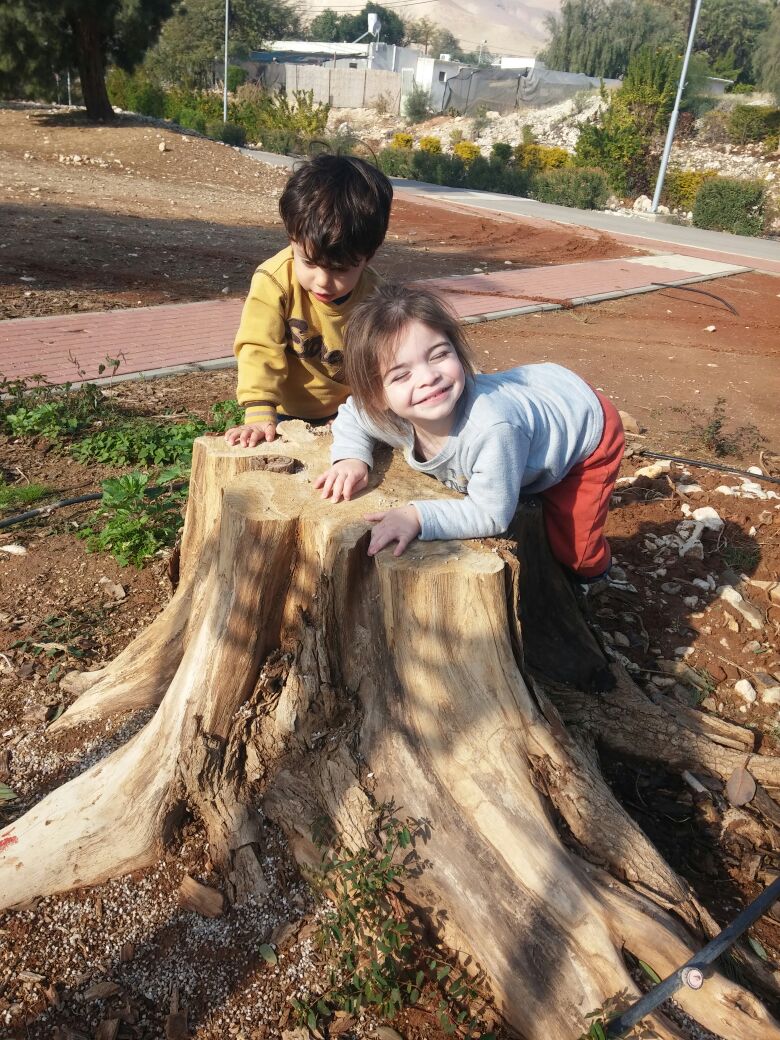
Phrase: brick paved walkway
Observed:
(184, 336)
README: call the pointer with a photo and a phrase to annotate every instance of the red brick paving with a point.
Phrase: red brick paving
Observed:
(153, 338)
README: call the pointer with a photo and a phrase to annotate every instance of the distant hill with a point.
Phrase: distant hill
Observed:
(508, 26)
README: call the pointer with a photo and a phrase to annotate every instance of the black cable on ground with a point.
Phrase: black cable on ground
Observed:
(707, 465)
(93, 496)
(692, 972)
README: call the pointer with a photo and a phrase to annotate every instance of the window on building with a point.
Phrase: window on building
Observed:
(442, 76)
(353, 64)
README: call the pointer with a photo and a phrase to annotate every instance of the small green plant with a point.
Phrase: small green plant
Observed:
(610, 1009)
(417, 104)
(741, 558)
(480, 121)
(715, 439)
(133, 522)
(375, 959)
(35, 408)
(528, 135)
(225, 414)
(456, 136)
(396, 162)
(14, 496)
(501, 153)
(140, 442)
(62, 640)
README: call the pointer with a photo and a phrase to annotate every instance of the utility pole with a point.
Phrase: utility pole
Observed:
(675, 111)
(224, 88)
(479, 56)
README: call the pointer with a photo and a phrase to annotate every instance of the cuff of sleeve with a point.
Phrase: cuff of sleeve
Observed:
(337, 455)
(428, 531)
(257, 413)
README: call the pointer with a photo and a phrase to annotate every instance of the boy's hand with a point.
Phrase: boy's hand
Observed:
(396, 525)
(344, 479)
(251, 434)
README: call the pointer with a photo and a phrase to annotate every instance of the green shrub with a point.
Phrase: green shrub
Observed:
(397, 162)
(191, 119)
(402, 140)
(568, 186)
(230, 133)
(466, 151)
(682, 186)
(417, 104)
(752, 123)
(501, 153)
(438, 168)
(729, 204)
(140, 442)
(772, 143)
(456, 136)
(529, 137)
(430, 144)
(118, 87)
(145, 98)
(283, 142)
(540, 157)
(621, 151)
(236, 77)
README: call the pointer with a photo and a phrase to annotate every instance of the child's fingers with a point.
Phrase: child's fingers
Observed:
(374, 517)
(320, 480)
(269, 433)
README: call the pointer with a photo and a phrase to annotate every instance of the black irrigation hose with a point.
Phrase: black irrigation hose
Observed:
(93, 496)
(692, 972)
(707, 465)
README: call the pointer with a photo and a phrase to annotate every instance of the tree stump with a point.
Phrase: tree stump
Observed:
(297, 675)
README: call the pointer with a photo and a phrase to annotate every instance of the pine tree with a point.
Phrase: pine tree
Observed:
(40, 38)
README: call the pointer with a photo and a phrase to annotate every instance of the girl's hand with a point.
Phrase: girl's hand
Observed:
(251, 434)
(344, 479)
(397, 525)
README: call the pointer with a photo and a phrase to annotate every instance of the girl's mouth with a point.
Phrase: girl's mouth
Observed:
(436, 396)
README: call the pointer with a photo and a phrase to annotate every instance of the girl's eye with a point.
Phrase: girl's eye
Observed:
(398, 377)
(440, 355)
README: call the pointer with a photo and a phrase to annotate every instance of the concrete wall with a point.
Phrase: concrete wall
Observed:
(345, 88)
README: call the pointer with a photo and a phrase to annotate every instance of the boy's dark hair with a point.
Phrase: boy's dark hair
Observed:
(336, 208)
(373, 331)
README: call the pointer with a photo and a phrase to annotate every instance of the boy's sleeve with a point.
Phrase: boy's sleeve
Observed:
(260, 347)
(354, 436)
(493, 490)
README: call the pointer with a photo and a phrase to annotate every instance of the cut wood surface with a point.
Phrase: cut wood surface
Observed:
(306, 679)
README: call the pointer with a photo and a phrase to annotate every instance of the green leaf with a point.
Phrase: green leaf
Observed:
(268, 953)
(651, 974)
(6, 794)
(442, 973)
(311, 1021)
(758, 948)
(598, 1031)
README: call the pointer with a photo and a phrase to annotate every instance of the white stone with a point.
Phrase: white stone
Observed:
(771, 695)
(745, 691)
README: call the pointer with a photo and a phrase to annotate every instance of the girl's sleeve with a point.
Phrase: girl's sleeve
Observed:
(354, 437)
(498, 463)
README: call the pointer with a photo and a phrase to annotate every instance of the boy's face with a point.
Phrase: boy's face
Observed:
(325, 284)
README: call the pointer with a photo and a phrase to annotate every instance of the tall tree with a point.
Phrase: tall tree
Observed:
(729, 32)
(599, 37)
(421, 31)
(41, 37)
(767, 61)
(332, 28)
(194, 35)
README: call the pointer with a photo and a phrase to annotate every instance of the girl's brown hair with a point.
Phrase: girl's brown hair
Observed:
(373, 331)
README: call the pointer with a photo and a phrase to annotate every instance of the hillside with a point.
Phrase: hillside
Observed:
(509, 26)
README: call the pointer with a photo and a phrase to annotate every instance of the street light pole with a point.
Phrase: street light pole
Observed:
(673, 121)
(224, 88)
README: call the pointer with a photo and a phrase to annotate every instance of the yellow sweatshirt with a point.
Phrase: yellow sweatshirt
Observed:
(290, 347)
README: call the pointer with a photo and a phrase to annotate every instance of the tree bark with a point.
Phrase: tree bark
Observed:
(309, 679)
(90, 51)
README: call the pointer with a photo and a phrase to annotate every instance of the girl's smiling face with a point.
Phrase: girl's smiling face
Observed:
(423, 379)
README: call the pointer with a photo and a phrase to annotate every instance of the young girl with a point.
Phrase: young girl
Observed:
(539, 429)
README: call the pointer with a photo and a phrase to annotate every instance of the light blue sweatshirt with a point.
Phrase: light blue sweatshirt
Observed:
(518, 430)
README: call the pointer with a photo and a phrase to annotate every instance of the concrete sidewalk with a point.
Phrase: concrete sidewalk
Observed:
(199, 336)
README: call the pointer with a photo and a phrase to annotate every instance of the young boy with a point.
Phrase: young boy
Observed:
(290, 342)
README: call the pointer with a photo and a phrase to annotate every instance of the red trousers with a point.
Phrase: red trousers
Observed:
(575, 511)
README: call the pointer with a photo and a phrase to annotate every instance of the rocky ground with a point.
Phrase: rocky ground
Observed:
(693, 611)
(559, 125)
